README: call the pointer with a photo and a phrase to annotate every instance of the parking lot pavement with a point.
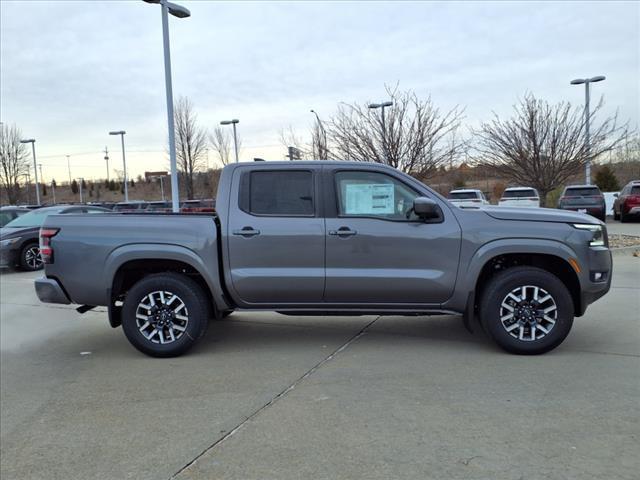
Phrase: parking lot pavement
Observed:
(269, 396)
(630, 228)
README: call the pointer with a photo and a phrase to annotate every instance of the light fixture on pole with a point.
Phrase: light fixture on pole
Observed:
(322, 151)
(233, 122)
(382, 106)
(587, 97)
(32, 141)
(124, 163)
(179, 12)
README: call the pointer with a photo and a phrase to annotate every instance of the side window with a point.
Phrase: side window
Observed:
(279, 193)
(372, 194)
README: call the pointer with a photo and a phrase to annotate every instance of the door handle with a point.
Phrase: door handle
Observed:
(247, 232)
(343, 232)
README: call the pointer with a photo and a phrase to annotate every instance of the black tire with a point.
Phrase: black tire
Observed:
(27, 260)
(623, 218)
(195, 304)
(497, 292)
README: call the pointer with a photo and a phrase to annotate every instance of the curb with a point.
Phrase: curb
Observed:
(626, 251)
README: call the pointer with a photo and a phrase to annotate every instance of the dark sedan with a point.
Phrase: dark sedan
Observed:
(10, 213)
(584, 199)
(19, 242)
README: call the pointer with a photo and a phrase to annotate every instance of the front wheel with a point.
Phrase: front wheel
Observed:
(30, 258)
(165, 314)
(527, 310)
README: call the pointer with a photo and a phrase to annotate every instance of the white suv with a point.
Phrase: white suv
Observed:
(520, 197)
(466, 197)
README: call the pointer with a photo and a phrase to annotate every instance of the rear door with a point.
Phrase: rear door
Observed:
(276, 236)
(380, 253)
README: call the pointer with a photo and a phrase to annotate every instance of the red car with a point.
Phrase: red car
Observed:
(207, 205)
(627, 203)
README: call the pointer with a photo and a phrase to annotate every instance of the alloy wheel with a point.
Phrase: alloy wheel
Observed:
(162, 317)
(33, 258)
(528, 313)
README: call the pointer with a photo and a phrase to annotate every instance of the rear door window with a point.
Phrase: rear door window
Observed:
(278, 193)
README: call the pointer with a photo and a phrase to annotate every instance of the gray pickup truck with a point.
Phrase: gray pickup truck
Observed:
(328, 238)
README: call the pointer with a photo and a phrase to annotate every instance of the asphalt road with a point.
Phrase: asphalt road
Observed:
(266, 396)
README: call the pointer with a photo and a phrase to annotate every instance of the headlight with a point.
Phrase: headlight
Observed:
(599, 239)
(10, 241)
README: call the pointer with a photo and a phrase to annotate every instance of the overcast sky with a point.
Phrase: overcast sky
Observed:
(73, 70)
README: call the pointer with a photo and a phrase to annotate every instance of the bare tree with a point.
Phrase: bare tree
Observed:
(222, 144)
(290, 139)
(14, 161)
(542, 145)
(416, 138)
(191, 143)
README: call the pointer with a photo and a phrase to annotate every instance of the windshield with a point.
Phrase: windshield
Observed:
(33, 219)
(529, 192)
(635, 190)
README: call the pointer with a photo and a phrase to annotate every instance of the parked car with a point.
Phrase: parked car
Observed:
(9, 213)
(131, 206)
(519, 197)
(158, 207)
(584, 199)
(19, 238)
(207, 205)
(627, 203)
(466, 197)
(307, 238)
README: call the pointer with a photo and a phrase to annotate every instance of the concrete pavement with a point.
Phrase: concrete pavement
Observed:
(276, 397)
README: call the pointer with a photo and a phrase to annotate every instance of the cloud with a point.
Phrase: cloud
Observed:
(72, 71)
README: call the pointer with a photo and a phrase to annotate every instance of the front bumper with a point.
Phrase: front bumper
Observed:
(600, 261)
(8, 257)
(49, 290)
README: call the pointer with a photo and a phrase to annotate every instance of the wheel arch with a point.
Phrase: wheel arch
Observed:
(128, 264)
(554, 257)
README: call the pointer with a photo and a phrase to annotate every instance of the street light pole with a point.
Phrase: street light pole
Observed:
(80, 190)
(322, 152)
(180, 12)
(124, 163)
(32, 141)
(53, 191)
(382, 106)
(106, 158)
(69, 169)
(233, 122)
(587, 115)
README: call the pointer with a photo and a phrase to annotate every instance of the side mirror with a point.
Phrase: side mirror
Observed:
(426, 208)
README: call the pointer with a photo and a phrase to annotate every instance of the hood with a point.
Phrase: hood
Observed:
(6, 233)
(539, 215)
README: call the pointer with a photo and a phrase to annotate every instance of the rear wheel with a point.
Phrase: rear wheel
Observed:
(30, 258)
(165, 314)
(623, 218)
(527, 310)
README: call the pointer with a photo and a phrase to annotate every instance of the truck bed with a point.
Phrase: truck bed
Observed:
(89, 249)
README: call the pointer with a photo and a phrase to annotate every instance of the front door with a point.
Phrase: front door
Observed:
(275, 237)
(378, 252)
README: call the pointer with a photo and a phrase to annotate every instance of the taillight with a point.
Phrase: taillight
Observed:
(46, 252)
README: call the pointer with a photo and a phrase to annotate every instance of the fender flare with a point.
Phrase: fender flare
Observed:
(151, 251)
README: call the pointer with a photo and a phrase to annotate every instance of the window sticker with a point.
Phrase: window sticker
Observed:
(369, 199)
